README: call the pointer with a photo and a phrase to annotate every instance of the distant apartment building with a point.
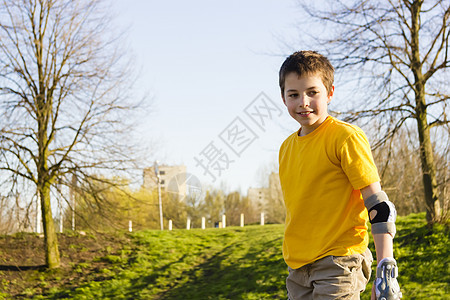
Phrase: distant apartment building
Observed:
(275, 187)
(173, 179)
(257, 197)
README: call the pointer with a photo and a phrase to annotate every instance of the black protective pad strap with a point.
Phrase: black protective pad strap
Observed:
(382, 215)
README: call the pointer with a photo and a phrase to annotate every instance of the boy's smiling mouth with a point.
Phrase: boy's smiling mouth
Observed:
(305, 113)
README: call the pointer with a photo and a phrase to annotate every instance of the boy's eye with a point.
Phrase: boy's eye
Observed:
(293, 95)
(312, 93)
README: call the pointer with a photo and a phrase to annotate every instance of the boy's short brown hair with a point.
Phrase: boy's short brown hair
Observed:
(307, 63)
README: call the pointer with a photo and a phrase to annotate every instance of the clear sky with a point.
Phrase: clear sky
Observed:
(205, 65)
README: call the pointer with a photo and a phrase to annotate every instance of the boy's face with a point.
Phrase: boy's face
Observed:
(306, 99)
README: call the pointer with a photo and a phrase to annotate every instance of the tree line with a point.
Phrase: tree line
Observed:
(141, 207)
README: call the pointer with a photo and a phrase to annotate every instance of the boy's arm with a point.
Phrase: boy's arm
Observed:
(382, 289)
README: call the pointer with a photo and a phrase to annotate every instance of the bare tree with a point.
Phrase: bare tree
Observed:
(64, 87)
(233, 208)
(213, 205)
(398, 51)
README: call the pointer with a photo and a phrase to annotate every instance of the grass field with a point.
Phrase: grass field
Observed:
(231, 263)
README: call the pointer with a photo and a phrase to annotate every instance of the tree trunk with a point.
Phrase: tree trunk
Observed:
(426, 149)
(428, 171)
(44, 182)
(52, 259)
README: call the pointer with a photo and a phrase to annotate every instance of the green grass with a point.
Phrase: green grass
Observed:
(237, 263)
(232, 263)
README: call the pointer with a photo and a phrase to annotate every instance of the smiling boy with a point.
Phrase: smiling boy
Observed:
(330, 183)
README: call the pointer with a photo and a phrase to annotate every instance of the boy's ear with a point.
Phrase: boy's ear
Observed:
(331, 94)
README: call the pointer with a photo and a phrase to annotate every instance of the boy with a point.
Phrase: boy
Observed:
(331, 188)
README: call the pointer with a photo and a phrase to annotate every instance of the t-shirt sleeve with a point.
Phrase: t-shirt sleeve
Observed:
(357, 161)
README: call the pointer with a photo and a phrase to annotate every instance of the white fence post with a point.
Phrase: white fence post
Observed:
(203, 222)
(242, 220)
(130, 226)
(170, 224)
(262, 218)
(188, 223)
(224, 221)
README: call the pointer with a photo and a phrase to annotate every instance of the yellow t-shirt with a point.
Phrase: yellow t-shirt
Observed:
(321, 175)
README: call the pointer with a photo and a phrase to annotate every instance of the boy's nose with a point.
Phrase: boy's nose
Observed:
(304, 102)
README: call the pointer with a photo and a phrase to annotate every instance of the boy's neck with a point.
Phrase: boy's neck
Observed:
(302, 132)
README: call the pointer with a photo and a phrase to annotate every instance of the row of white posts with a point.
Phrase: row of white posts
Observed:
(222, 224)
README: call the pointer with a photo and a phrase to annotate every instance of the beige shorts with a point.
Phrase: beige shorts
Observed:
(332, 277)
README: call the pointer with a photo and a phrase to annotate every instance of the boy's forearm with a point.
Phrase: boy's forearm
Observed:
(383, 245)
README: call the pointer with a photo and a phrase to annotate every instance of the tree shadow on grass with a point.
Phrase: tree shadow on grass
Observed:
(261, 274)
(144, 282)
(21, 268)
(122, 286)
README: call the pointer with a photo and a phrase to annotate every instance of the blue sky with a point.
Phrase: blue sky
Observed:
(203, 63)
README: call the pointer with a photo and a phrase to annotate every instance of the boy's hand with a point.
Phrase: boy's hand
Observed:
(386, 286)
